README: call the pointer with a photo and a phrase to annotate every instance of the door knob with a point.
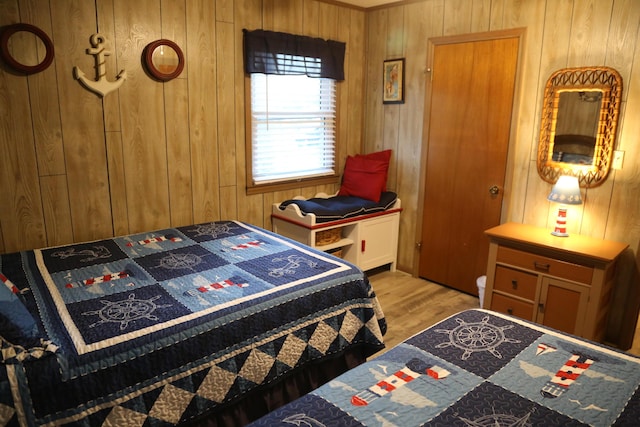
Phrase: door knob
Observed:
(494, 189)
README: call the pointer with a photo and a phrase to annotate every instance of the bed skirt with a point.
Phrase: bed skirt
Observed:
(269, 397)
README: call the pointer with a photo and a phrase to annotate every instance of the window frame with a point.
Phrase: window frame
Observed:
(257, 188)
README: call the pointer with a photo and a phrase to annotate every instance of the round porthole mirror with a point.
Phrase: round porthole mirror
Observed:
(163, 59)
(25, 48)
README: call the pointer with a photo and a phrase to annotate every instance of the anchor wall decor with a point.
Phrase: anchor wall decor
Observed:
(100, 85)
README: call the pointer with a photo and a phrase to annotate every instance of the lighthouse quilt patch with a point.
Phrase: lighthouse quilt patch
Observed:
(478, 368)
(159, 328)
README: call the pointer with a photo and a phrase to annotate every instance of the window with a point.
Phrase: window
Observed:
(291, 117)
(293, 120)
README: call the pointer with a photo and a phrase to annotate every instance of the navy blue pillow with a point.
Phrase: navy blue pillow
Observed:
(17, 325)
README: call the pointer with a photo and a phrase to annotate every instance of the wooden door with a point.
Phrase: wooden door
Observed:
(467, 134)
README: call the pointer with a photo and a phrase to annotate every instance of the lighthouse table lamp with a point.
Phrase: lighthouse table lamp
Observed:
(566, 191)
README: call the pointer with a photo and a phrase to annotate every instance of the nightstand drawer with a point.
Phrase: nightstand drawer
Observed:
(504, 304)
(542, 264)
(516, 282)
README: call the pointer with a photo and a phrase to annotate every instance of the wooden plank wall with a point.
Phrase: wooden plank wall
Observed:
(559, 34)
(77, 167)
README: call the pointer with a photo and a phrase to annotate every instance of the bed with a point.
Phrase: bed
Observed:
(209, 324)
(478, 368)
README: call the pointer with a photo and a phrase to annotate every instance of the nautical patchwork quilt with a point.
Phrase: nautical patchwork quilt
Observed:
(158, 328)
(478, 368)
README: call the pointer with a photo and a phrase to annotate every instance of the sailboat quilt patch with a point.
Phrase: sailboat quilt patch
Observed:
(478, 368)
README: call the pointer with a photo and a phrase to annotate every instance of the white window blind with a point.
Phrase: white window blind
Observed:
(293, 127)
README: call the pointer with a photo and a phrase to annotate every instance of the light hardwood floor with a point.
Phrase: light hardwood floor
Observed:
(411, 304)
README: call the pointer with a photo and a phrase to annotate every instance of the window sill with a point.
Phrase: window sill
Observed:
(288, 185)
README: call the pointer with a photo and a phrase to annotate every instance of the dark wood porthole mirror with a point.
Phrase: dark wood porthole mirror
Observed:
(25, 48)
(163, 59)
(578, 127)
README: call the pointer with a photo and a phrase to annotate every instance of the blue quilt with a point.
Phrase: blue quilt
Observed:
(158, 328)
(478, 368)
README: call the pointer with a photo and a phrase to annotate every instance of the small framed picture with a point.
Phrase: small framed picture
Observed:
(393, 81)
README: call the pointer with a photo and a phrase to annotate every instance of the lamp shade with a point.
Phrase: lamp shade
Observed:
(566, 191)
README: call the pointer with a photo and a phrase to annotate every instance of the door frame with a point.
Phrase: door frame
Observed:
(520, 34)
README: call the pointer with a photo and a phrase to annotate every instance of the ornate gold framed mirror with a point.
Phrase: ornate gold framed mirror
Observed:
(578, 126)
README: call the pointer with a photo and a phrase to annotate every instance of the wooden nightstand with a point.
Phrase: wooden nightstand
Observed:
(565, 283)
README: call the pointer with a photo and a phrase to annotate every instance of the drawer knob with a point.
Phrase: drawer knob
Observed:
(541, 266)
(510, 310)
(514, 284)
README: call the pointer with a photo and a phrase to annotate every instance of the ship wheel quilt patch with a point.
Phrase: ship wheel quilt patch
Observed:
(481, 342)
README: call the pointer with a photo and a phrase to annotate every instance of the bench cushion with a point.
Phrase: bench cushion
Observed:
(341, 207)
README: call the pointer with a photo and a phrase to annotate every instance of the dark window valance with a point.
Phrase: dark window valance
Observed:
(270, 52)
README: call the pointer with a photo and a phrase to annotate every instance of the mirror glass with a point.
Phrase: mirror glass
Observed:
(576, 130)
(163, 59)
(25, 48)
(578, 127)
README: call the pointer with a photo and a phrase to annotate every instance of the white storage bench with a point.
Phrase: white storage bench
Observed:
(368, 240)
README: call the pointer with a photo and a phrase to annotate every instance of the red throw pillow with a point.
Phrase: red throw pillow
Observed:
(365, 178)
(384, 156)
